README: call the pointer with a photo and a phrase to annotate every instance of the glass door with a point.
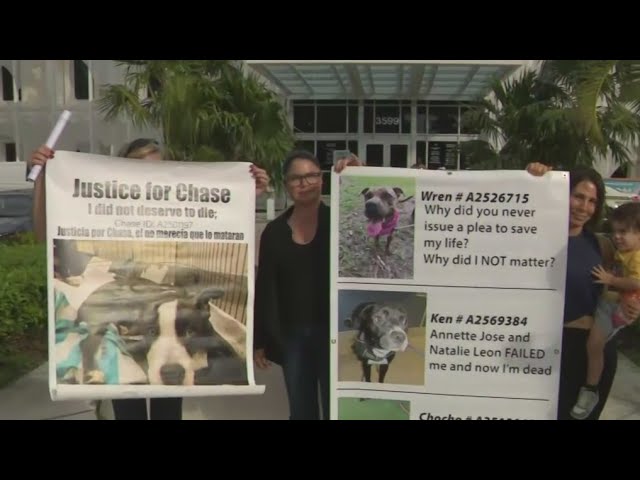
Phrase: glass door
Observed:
(398, 155)
(387, 155)
(374, 155)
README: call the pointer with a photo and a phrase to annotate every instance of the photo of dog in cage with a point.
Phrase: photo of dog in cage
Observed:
(143, 312)
(377, 227)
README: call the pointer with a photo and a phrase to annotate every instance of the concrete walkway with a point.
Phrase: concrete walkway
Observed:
(624, 400)
(28, 399)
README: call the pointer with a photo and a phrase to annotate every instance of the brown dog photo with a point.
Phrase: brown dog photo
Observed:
(377, 227)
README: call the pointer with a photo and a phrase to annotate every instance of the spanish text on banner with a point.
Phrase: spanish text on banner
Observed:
(150, 278)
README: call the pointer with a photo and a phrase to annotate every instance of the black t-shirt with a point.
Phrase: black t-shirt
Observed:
(292, 284)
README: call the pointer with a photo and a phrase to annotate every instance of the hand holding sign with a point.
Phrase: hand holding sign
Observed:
(349, 159)
(51, 142)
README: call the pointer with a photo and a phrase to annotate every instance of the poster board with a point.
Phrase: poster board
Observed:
(462, 317)
(151, 274)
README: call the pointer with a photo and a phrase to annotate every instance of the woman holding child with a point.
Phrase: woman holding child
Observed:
(586, 253)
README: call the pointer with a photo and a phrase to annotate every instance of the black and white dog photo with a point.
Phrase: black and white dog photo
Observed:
(166, 327)
(382, 332)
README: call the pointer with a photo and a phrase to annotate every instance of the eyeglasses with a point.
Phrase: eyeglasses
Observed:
(309, 178)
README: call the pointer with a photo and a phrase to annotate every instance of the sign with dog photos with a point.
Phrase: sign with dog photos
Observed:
(151, 271)
(447, 293)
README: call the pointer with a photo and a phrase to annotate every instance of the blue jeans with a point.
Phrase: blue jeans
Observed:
(305, 364)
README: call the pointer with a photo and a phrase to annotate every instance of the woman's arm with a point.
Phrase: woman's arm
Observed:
(265, 311)
(39, 207)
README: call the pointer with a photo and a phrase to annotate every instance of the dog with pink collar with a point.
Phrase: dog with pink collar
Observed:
(381, 212)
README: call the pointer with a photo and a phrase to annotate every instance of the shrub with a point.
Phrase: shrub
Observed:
(23, 291)
(20, 238)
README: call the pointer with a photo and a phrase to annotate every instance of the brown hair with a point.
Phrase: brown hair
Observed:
(627, 215)
(298, 155)
(140, 148)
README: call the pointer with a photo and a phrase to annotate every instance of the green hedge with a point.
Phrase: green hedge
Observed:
(23, 287)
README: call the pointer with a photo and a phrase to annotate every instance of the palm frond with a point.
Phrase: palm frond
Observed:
(628, 73)
(118, 100)
(619, 152)
(480, 155)
(206, 153)
(207, 110)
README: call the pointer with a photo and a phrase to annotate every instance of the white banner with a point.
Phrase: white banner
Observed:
(151, 270)
(448, 293)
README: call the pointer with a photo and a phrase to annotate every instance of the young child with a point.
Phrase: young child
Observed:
(625, 221)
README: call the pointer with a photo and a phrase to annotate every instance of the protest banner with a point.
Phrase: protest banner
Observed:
(151, 273)
(447, 293)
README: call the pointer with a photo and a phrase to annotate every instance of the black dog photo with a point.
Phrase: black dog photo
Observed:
(376, 227)
(159, 313)
(381, 337)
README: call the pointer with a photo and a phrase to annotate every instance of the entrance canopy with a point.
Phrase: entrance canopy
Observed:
(457, 80)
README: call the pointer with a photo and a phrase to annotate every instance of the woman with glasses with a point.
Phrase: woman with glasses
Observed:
(291, 312)
(143, 149)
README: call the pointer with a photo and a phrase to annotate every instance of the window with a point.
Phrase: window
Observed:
(368, 117)
(7, 85)
(80, 80)
(406, 119)
(304, 118)
(325, 157)
(464, 125)
(399, 154)
(375, 155)
(308, 145)
(443, 154)
(10, 152)
(443, 120)
(325, 152)
(421, 125)
(332, 118)
(387, 119)
(353, 119)
(387, 116)
(325, 116)
(464, 158)
(421, 152)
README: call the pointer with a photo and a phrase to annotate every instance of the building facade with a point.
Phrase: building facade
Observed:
(391, 113)
(35, 92)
